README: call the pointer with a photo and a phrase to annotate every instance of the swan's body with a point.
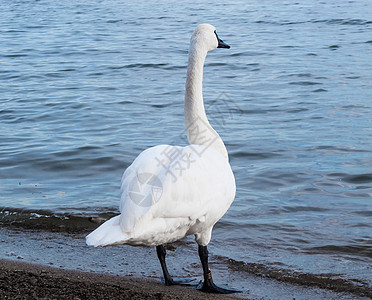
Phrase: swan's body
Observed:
(193, 194)
(170, 192)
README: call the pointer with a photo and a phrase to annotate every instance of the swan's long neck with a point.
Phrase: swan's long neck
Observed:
(198, 129)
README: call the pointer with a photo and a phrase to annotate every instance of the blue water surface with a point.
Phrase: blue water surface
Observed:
(85, 86)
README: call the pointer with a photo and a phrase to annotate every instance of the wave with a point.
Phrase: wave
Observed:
(254, 155)
(330, 281)
(360, 250)
(304, 83)
(139, 65)
(359, 178)
(47, 220)
(344, 22)
(87, 160)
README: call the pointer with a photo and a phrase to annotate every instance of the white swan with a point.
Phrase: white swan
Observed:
(170, 192)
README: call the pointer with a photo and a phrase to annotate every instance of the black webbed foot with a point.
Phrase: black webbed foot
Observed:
(180, 281)
(208, 286)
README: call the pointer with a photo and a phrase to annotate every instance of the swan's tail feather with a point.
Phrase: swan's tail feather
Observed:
(109, 233)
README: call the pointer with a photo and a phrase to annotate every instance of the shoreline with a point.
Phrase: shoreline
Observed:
(21, 280)
(133, 267)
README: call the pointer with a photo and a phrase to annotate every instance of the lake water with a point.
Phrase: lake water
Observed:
(86, 86)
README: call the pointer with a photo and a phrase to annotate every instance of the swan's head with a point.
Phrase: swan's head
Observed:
(207, 36)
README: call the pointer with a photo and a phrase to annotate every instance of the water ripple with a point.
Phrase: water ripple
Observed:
(84, 89)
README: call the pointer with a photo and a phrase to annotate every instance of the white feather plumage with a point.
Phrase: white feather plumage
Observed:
(190, 203)
(192, 198)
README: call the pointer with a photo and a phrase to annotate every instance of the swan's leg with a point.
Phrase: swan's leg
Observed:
(208, 284)
(160, 250)
(168, 280)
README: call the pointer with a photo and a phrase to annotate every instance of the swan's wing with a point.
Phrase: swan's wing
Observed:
(176, 182)
(139, 186)
(199, 184)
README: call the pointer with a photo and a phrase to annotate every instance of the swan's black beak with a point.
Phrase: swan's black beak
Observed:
(221, 43)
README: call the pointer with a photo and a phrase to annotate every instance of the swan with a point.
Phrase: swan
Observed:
(170, 192)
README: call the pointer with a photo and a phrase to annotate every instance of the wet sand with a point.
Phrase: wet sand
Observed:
(19, 280)
(129, 272)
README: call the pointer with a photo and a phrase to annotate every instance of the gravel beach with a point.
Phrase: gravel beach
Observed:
(19, 280)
